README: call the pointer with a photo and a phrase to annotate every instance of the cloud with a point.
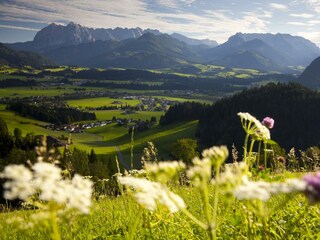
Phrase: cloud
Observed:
(313, 5)
(278, 6)
(302, 15)
(299, 24)
(215, 24)
(19, 28)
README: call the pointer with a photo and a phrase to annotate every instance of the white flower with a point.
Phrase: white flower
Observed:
(164, 171)
(200, 171)
(58, 192)
(46, 180)
(148, 194)
(261, 190)
(19, 184)
(254, 127)
(232, 174)
(45, 173)
(80, 194)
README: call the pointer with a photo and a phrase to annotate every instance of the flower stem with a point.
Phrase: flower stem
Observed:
(193, 218)
(55, 228)
(258, 157)
(245, 148)
(265, 154)
(215, 204)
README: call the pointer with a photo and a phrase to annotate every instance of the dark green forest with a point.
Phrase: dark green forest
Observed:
(57, 113)
(294, 108)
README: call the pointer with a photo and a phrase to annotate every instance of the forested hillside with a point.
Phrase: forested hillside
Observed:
(294, 108)
(17, 58)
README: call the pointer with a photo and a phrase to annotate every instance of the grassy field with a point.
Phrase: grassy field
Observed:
(33, 91)
(100, 102)
(143, 115)
(105, 139)
(122, 218)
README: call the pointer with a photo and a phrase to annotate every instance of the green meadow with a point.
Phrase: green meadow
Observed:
(33, 91)
(143, 115)
(104, 139)
(100, 102)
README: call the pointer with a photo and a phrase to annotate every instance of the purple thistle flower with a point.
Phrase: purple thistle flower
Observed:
(313, 187)
(268, 122)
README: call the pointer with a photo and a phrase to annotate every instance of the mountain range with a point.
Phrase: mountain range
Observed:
(150, 49)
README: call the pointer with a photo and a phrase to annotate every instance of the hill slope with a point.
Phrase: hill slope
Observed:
(294, 108)
(16, 58)
(311, 75)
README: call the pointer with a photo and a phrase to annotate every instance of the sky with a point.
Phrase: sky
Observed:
(201, 19)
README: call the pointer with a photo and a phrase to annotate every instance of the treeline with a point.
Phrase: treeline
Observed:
(50, 112)
(17, 83)
(137, 86)
(294, 108)
(185, 111)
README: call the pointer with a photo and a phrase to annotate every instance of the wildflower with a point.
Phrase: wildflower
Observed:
(19, 184)
(46, 173)
(252, 191)
(268, 122)
(232, 175)
(80, 194)
(149, 194)
(217, 155)
(262, 133)
(261, 190)
(164, 171)
(254, 127)
(47, 182)
(313, 187)
(137, 173)
(200, 171)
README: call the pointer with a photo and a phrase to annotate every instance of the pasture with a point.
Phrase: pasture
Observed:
(101, 102)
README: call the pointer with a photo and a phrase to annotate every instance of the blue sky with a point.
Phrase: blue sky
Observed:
(213, 19)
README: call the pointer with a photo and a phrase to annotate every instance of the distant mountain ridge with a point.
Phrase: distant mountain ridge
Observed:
(268, 52)
(55, 35)
(137, 48)
(148, 52)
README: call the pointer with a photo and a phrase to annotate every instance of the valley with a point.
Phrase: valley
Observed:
(180, 119)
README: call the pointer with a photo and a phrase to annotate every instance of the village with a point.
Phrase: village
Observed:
(138, 125)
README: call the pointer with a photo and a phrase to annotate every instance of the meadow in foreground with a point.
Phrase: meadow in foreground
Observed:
(207, 199)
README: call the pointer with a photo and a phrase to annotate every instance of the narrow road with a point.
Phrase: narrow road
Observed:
(120, 157)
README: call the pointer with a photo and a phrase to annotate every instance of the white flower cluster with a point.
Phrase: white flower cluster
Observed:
(149, 194)
(261, 190)
(164, 170)
(217, 155)
(137, 173)
(232, 175)
(46, 180)
(254, 127)
(200, 172)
